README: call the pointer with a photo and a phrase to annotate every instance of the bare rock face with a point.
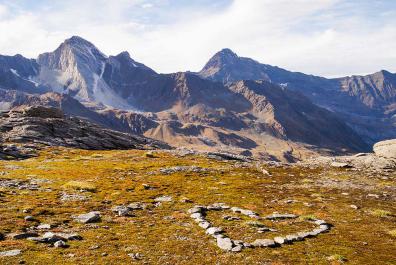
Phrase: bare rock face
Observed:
(42, 112)
(49, 126)
(386, 149)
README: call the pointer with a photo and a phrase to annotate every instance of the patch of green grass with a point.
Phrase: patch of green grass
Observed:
(337, 258)
(308, 217)
(81, 185)
(392, 232)
(381, 213)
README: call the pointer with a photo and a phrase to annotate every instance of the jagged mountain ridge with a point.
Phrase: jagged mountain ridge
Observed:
(182, 106)
(366, 103)
(373, 90)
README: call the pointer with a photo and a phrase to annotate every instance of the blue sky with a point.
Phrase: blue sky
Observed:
(323, 37)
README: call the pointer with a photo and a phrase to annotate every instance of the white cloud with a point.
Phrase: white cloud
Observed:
(324, 37)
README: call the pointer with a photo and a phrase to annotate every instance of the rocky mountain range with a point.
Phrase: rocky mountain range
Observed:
(234, 103)
(366, 103)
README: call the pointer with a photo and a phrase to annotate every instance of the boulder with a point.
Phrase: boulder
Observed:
(386, 149)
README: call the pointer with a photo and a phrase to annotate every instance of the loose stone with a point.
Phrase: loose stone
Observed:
(225, 243)
(214, 230)
(90, 217)
(163, 199)
(280, 240)
(10, 253)
(22, 235)
(264, 243)
(204, 225)
(60, 244)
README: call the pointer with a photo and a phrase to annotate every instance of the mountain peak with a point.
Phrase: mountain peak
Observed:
(124, 54)
(78, 40)
(226, 52)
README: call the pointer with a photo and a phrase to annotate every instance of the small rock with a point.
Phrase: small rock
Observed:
(135, 256)
(10, 253)
(60, 244)
(22, 235)
(29, 218)
(44, 226)
(186, 200)
(136, 206)
(340, 165)
(237, 248)
(196, 209)
(90, 217)
(225, 243)
(263, 243)
(93, 247)
(214, 230)
(353, 206)
(147, 187)
(122, 211)
(280, 216)
(163, 199)
(231, 218)
(280, 240)
(196, 216)
(204, 225)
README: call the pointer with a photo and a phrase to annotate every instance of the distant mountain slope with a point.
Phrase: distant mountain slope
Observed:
(367, 103)
(188, 110)
(372, 91)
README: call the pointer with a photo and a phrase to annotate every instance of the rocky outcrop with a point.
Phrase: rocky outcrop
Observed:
(386, 149)
(382, 160)
(48, 126)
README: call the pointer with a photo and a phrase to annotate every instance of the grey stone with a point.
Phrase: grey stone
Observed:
(195, 209)
(225, 243)
(29, 218)
(340, 165)
(204, 225)
(122, 210)
(10, 253)
(237, 248)
(60, 244)
(196, 216)
(264, 243)
(163, 199)
(214, 230)
(90, 217)
(53, 237)
(280, 240)
(44, 226)
(23, 235)
(281, 216)
(136, 206)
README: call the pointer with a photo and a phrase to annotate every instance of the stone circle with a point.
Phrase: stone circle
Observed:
(198, 214)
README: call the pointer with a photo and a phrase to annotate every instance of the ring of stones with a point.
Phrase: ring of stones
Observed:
(198, 214)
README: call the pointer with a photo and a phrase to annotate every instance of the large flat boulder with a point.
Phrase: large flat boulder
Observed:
(386, 149)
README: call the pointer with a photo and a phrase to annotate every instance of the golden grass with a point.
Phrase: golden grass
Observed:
(80, 185)
(166, 234)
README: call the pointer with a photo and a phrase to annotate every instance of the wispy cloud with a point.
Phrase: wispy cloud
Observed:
(325, 37)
